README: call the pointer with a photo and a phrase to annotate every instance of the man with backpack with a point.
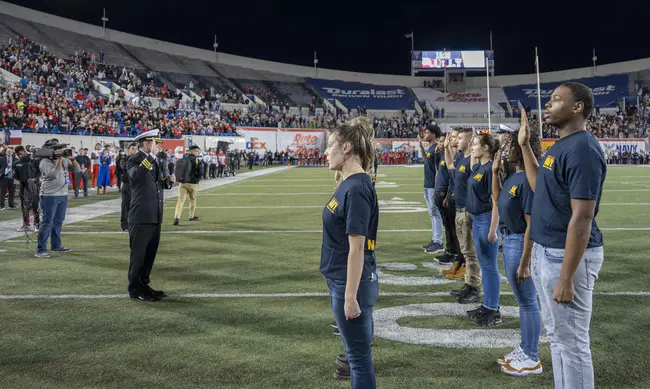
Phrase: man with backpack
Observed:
(188, 175)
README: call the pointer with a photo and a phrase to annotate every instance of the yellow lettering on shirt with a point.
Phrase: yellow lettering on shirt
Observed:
(442, 163)
(513, 190)
(428, 155)
(548, 162)
(462, 168)
(478, 176)
(371, 244)
(332, 205)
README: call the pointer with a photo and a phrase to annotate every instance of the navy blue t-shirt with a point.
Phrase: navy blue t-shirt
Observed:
(515, 199)
(573, 168)
(353, 210)
(442, 178)
(479, 189)
(430, 167)
(461, 175)
(452, 174)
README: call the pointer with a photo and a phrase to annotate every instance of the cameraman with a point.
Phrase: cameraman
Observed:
(54, 198)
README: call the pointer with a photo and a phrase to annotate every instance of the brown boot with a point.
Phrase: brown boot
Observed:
(98, 190)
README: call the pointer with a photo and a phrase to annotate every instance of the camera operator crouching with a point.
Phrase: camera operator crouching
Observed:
(55, 162)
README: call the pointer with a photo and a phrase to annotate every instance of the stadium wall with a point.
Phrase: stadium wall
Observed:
(307, 71)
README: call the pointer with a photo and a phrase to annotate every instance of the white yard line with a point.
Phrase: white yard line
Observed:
(182, 232)
(257, 295)
(301, 206)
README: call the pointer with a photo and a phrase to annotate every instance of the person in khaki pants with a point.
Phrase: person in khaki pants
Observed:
(460, 163)
(189, 188)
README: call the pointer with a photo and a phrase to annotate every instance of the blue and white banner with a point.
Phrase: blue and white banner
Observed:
(607, 90)
(356, 94)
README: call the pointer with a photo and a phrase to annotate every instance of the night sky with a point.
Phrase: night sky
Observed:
(369, 36)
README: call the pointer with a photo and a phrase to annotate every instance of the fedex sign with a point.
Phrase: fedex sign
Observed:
(607, 90)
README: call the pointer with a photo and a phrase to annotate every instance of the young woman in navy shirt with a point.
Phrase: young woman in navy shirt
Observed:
(350, 221)
(485, 219)
(515, 200)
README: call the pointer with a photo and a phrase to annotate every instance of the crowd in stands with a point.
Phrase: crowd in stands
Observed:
(631, 124)
(434, 84)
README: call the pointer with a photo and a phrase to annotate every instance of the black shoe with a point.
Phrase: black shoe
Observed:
(475, 313)
(194, 219)
(336, 332)
(125, 228)
(342, 372)
(426, 246)
(333, 324)
(61, 250)
(342, 359)
(144, 297)
(471, 296)
(447, 259)
(489, 318)
(459, 292)
(156, 293)
(176, 221)
(435, 248)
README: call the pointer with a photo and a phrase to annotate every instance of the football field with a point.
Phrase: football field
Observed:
(249, 308)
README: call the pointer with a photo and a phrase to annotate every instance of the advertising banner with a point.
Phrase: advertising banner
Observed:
(612, 145)
(355, 94)
(607, 90)
(297, 140)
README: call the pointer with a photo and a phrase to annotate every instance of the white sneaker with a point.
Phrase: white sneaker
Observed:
(522, 367)
(515, 354)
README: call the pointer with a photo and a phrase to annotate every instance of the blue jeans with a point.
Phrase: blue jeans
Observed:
(434, 214)
(488, 257)
(530, 319)
(567, 325)
(54, 208)
(357, 333)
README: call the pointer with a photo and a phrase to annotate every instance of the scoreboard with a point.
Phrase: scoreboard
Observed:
(463, 59)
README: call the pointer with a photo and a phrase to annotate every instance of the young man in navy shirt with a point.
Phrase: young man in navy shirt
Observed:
(568, 250)
(460, 165)
(431, 134)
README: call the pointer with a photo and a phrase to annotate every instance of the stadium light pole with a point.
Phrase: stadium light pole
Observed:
(487, 75)
(539, 97)
(104, 20)
(215, 45)
(410, 35)
(315, 65)
(594, 58)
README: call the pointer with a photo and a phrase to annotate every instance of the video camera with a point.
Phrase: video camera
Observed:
(49, 151)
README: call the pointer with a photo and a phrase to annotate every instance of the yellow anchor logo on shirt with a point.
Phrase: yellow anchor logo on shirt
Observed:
(332, 205)
(442, 163)
(478, 176)
(462, 169)
(513, 190)
(548, 162)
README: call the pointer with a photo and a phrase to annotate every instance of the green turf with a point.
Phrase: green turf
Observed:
(279, 342)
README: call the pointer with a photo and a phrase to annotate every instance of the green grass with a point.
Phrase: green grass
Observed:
(279, 342)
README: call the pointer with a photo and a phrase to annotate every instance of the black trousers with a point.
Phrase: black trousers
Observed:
(126, 205)
(213, 170)
(7, 184)
(449, 222)
(221, 170)
(79, 179)
(26, 208)
(143, 241)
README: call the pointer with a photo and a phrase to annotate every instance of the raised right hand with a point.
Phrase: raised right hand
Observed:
(524, 130)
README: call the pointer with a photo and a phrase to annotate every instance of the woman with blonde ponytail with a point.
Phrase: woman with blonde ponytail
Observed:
(350, 221)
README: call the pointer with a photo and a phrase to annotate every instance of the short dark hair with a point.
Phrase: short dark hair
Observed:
(583, 93)
(194, 147)
(133, 144)
(434, 129)
(464, 130)
(19, 149)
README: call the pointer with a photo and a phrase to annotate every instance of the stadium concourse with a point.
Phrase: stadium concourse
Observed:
(247, 306)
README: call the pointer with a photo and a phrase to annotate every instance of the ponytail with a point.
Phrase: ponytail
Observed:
(361, 135)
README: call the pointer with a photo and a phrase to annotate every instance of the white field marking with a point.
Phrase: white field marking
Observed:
(381, 202)
(3, 251)
(266, 295)
(386, 327)
(379, 192)
(277, 232)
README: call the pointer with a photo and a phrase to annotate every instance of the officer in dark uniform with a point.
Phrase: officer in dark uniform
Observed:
(126, 187)
(145, 215)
